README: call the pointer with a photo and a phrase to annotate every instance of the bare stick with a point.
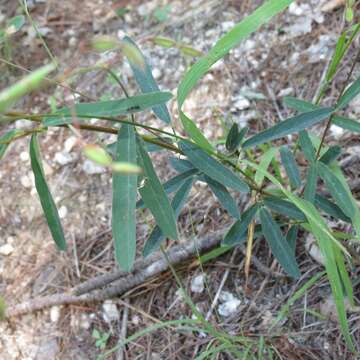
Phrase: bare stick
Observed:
(176, 255)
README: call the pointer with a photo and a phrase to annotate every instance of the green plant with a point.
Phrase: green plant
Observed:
(11, 27)
(101, 338)
(277, 204)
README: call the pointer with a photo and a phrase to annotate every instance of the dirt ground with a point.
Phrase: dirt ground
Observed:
(287, 57)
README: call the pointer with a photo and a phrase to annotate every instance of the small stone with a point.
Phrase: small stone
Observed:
(314, 250)
(156, 73)
(197, 283)
(24, 156)
(63, 158)
(230, 304)
(26, 182)
(295, 9)
(55, 314)
(285, 92)
(241, 103)
(227, 25)
(6, 249)
(91, 168)
(70, 143)
(110, 311)
(84, 322)
(336, 131)
(63, 212)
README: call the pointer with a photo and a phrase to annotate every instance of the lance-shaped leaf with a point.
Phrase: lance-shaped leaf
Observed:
(109, 108)
(307, 146)
(311, 182)
(124, 200)
(241, 31)
(180, 165)
(46, 200)
(298, 104)
(346, 123)
(237, 232)
(341, 121)
(223, 196)
(173, 184)
(291, 168)
(331, 154)
(205, 163)
(351, 92)
(5, 140)
(337, 190)
(291, 237)
(278, 244)
(289, 126)
(235, 137)
(29, 83)
(284, 207)
(265, 161)
(154, 195)
(156, 237)
(330, 208)
(143, 75)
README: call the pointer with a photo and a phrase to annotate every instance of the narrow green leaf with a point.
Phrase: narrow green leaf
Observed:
(307, 146)
(291, 237)
(278, 244)
(337, 190)
(238, 231)
(337, 56)
(330, 208)
(284, 207)
(24, 86)
(223, 196)
(341, 121)
(195, 134)
(232, 142)
(154, 195)
(156, 237)
(6, 138)
(289, 126)
(346, 123)
(109, 108)
(334, 279)
(15, 24)
(352, 91)
(242, 30)
(144, 78)
(291, 168)
(331, 154)
(180, 165)
(173, 184)
(205, 163)
(298, 104)
(46, 200)
(311, 183)
(124, 201)
(265, 161)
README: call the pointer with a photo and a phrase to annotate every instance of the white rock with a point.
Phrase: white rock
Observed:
(295, 9)
(6, 249)
(24, 156)
(227, 25)
(63, 158)
(84, 322)
(26, 182)
(55, 314)
(63, 212)
(156, 73)
(314, 251)
(230, 304)
(197, 284)
(336, 131)
(70, 143)
(91, 168)
(285, 92)
(110, 311)
(241, 103)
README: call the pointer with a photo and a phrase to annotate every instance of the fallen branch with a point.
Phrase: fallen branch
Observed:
(143, 271)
